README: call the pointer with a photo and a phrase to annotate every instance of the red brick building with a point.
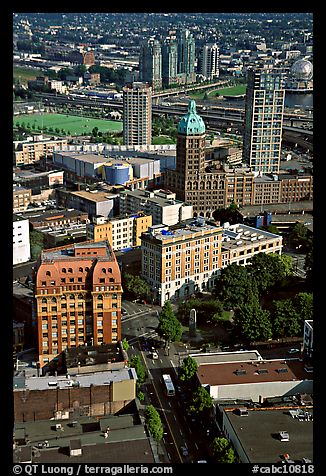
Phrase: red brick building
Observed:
(78, 298)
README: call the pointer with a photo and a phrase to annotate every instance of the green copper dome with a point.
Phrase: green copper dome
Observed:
(191, 123)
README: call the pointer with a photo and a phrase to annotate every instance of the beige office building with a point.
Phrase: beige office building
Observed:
(137, 114)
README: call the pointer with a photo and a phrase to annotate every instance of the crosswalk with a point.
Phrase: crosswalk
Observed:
(150, 334)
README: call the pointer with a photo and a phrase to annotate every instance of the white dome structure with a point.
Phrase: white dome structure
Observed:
(302, 70)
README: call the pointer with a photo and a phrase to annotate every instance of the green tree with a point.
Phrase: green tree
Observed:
(270, 229)
(285, 319)
(200, 401)
(222, 450)
(287, 262)
(125, 344)
(298, 235)
(304, 305)
(252, 322)
(154, 423)
(169, 327)
(235, 285)
(268, 270)
(135, 286)
(136, 363)
(188, 369)
(229, 214)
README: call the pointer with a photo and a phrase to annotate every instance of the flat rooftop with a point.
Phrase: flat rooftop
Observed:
(68, 252)
(183, 230)
(95, 195)
(260, 371)
(156, 199)
(127, 440)
(258, 431)
(80, 380)
(276, 208)
(237, 356)
(240, 234)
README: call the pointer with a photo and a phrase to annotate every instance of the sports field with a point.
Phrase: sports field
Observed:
(230, 91)
(74, 125)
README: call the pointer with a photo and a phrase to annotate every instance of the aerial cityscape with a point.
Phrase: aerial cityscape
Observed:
(163, 240)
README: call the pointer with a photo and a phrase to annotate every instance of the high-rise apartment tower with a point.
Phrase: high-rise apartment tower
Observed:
(210, 61)
(150, 63)
(263, 120)
(137, 114)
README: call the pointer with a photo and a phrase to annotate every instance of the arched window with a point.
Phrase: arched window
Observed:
(86, 269)
(72, 296)
(48, 273)
(64, 297)
(208, 214)
(80, 296)
(54, 299)
(44, 301)
(81, 270)
(69, 270)
(114, 296)
(100, 297)
(201, 214)
(215, 184)
(64, 270)
(110, 270)
(208, 185)
(103, 270)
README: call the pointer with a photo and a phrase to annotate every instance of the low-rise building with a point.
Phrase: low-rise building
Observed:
(21, 198)
(62, 397)
(93, 202)
(121, 232)
(256, 436)
(55, 218)
(21, 243)
(161, 204)
(241, 242)
(255, 380)
(31, 151)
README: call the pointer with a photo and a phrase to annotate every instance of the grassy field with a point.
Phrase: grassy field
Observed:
(76, 125)
(159, 140)
(25, 74)
(231, 91)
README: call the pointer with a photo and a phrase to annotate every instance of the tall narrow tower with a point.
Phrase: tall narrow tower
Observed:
(137, 114)
(210, 61)
(186, 56)
(150, 63)
(187, 179)
(169, 62)
(263, 120)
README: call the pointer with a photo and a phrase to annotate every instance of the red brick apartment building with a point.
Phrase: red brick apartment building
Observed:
(78, 298)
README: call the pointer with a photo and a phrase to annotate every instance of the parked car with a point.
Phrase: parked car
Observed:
(293, 351)
(154, 355)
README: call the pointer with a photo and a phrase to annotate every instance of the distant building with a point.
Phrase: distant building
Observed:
(31, 151)
(58, 86)
(121, 232)
(78, 298)
(21, 198)
(308, 339)
(263, 120)
(169, 63)
(150, 64)
(93, 202)
(186, 55)
(210, 61)
(21, 243)
(160, 204)
(137, 114)
(180, 261)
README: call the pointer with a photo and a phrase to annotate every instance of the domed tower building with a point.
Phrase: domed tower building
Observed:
(187, 179)
(300, 77)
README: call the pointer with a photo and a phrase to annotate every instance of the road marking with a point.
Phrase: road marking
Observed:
(169, 456)
(163, 410)
(196, 446)
(181, 433)
(169, 403)
(189, 430)
(174, 417)
(161, 361)
(174, 368)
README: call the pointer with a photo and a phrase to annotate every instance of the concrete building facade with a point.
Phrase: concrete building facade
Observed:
(31, 151)
(160, 204)
(180, 261)
(210, 61)
(137, 114)
(21, 243)
(264, 109)
(21, 198)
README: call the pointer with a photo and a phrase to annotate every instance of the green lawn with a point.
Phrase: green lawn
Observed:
(75, 124)
(25, 74)
(231, 91)
(161, 140)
